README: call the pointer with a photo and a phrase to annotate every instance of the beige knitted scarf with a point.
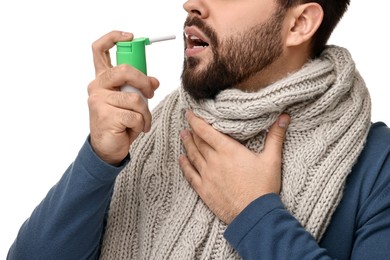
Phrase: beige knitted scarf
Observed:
(155, 214)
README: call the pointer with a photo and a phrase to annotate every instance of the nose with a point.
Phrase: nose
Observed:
(196, 7)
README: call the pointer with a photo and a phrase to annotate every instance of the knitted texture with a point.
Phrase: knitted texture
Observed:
(155, 214)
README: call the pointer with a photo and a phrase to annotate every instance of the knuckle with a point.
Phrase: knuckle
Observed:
(123, 68)
(136, 75)
(91, 87)
(93, 99)
(137, 117)
(190, 180)
(277, 136)
(136, 99)
(108, 75)
(133, 119)
(196, 163)
(95, 46)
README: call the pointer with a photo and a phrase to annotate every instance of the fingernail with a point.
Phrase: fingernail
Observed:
(146, 129)
(184, 134)
(283, 121)
(181, 158)
(126, 34)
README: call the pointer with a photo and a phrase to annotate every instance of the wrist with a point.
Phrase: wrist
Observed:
(116, 160)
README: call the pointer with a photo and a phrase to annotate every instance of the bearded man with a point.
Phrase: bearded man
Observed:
(266, 151)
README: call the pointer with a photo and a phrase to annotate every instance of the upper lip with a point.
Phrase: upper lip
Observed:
(191, 32)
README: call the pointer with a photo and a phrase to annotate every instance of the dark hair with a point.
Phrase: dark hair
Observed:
(333, 12)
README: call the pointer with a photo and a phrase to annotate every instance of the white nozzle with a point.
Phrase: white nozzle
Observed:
(162, 38)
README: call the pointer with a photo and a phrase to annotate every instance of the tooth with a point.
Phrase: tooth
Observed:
(192, 37)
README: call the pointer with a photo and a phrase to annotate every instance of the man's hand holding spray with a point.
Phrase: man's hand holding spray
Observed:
(118, 117)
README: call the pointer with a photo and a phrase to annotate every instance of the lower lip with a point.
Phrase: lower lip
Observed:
(194, 51)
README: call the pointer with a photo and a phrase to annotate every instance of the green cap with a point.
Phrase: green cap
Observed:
(133, 53)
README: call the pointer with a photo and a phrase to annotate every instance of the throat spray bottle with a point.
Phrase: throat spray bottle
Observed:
(133, 53)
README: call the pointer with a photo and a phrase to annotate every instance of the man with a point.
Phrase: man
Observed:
(227, 189)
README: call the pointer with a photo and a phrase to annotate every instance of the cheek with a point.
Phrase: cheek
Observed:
(234, 18)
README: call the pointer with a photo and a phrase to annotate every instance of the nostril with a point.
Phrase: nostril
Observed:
(197, 12)
(196, 7)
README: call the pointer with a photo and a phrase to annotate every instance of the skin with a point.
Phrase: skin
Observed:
(230, 18)
(225, 174)
(235, 57)
(257, 46)
(117, 118)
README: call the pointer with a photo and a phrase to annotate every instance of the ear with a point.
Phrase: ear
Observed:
(303, 22)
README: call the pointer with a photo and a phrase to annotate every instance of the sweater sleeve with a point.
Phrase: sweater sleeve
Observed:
(359, 229)
(266, 230)
(69, 222)
(372, 233)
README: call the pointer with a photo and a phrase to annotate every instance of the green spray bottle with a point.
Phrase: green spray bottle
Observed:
(133, 53)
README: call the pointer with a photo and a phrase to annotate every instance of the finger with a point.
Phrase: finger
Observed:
(124, 119)
(135, 78)
(193, 154)
(101, 47)
(276, 134)
(132, 120)
(155, 83)
(190, 173)
(207, 133)
(118, 76)
(110, 116)
(204, 148)
(133, 102)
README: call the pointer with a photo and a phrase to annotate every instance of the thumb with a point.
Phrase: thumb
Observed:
(276, 134)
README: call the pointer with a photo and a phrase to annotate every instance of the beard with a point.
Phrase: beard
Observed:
(235, 59)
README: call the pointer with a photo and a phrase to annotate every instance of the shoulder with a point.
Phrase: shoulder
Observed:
(371, 174)
(377, 146)
(379, 135)
(376, 150)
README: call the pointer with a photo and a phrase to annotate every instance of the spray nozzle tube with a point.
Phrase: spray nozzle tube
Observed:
(162, 38)
(133, 53)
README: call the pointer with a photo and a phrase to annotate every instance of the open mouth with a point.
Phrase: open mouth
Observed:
(194, 42)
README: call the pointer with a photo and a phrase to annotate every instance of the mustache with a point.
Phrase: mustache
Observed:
(206, 29)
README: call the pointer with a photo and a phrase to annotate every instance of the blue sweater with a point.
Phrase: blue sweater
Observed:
(69, 222)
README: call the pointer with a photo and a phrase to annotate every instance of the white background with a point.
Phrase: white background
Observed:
(46, 65)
